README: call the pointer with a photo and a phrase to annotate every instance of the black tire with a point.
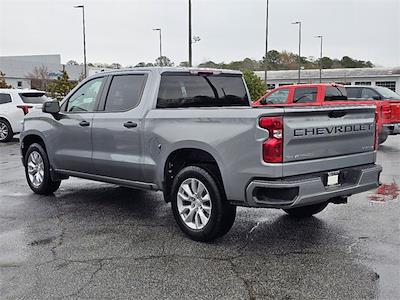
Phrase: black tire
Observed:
(7, 127)
(47, 186)
(222, 214)
(306, 211)
(382, 138)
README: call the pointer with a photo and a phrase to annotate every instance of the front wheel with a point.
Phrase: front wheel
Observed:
(199, 205)
(306, 211)
(37, 171)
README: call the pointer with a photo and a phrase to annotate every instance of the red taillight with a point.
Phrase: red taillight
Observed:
(25, 108)
(386, 112)
(273, 146)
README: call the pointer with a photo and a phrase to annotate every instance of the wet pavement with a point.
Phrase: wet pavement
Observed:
(95, 240)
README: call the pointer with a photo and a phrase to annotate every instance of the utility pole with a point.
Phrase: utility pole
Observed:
(299, 23)
(159, 31)
(320, 58)
(266, 45)
(84, 39)
(190, 33)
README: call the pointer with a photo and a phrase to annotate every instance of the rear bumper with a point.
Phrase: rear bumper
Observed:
(310, 189)
(392, 129)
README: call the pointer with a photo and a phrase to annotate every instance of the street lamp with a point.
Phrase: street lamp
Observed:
(320, 58)
(159, 31)
(84, 39)
(266, 44)
(299, 23)
(190, 33)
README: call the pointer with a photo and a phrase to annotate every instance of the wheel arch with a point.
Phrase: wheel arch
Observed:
(182, 157)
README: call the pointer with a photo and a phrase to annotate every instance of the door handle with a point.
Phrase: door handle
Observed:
(130, 124)
(84, 123)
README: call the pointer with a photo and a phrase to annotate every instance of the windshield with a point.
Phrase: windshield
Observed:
(33, 98)
(186, 90)
(387, 93)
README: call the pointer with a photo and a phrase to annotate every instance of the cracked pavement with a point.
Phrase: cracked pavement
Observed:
(100, 241)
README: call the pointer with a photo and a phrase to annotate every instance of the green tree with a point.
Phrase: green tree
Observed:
(3, 83)
(61, 86)
(326, 62)
(255, 85)
(164, 61)
(273, 60)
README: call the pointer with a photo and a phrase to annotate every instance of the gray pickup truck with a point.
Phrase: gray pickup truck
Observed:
(192, 134)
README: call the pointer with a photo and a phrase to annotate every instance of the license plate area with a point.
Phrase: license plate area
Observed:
(332, 179)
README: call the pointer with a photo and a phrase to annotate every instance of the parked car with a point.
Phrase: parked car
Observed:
(387, 102)
(14, 104)
(388, 108)
(193, 134)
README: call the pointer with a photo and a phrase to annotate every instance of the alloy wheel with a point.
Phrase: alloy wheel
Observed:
(194, 203)
(35, 168)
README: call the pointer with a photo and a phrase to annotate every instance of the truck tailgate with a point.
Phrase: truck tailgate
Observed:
(315, 133)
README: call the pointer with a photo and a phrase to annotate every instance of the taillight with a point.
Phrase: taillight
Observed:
(25, 108)
(386, 112)
(273, 146)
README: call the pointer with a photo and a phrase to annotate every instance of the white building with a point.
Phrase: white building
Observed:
(18, 70)
(387, 77)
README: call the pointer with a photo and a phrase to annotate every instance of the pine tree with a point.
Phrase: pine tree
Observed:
(61, 87)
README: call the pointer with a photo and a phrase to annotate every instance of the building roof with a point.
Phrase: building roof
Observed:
(331, 73)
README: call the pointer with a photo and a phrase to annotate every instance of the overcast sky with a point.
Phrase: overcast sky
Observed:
(121, 31)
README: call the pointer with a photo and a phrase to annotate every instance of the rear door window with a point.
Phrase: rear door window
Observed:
(125, 92)
(353, 93)
(277, 97)
(5, 98)
(202, 90)
(33, 98)
(370, 94)
(335, 93)
(305, 95)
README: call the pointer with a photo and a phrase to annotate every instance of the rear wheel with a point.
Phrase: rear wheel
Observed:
(199, 205)
(37, 171)
(6, 133)
(306, 211)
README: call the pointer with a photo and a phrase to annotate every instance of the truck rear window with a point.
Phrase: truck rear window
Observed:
(33, 98)
(187, 90)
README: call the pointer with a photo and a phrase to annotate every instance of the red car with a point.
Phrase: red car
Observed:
(387, 102)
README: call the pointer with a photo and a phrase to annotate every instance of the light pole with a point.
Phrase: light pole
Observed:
(266, 45)
(190, 33)
(84, 39)
(299, 23)
(159, 31)
(320, 58)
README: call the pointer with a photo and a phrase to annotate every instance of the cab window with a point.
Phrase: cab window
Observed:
(125, 92)
(277, 97)
(335, 93)
(5, 98)
(84, 99)
(370, 94)
(305, 95)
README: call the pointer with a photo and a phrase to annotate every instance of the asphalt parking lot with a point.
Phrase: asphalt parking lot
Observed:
(95, 240)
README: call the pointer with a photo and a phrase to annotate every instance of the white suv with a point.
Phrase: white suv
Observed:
(14, 105)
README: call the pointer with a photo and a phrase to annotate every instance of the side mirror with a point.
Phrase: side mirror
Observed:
(377, 97)
(51, 107)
